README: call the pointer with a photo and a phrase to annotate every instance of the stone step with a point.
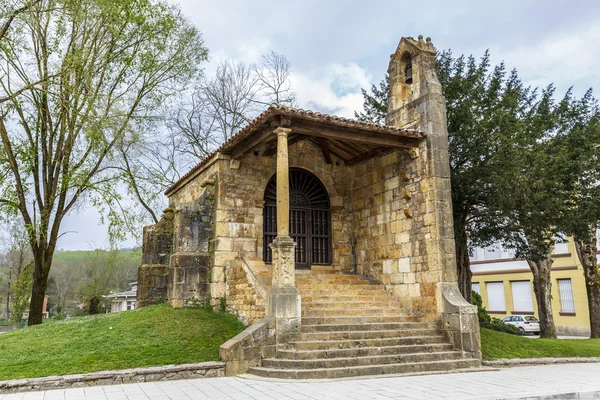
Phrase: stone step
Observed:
(363, 285)
(353, 343)
(292, 354)
(307, 284)
(344, 372)
(364, 327)
(359, 312)
(384, 296)
(360, 361)
(363, 290)
(335, 304)
(356, 319)
(332, 277)
(366, 334)
(322, 269)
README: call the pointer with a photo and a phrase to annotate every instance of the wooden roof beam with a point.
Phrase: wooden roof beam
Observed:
(325, 151)
(260, 138)
(354, 135)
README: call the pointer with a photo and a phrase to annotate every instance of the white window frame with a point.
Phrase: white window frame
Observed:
(565, 294)
(522, 296)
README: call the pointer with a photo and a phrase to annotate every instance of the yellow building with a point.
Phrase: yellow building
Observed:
(505, 286)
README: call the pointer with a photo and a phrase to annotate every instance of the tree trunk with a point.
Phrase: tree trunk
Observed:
(586, 251)
(38, 290)
(463, 265)
(8, 292)
(542, 287)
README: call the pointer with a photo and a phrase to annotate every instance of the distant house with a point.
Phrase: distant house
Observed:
(125, 300)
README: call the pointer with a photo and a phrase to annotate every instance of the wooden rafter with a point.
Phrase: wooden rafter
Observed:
(325, 150)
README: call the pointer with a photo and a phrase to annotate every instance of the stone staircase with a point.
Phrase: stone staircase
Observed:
(353, 327)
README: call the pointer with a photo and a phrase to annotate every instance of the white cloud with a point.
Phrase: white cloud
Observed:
(335, 91)
(563, 58)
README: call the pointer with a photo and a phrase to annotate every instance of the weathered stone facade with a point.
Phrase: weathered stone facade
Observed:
(153, 274)
(389, 203)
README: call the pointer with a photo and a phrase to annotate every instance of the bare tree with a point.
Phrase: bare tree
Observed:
(218, 107)
(274, 80)
(231, 96)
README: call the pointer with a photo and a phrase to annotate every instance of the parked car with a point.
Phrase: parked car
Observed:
(526, 323)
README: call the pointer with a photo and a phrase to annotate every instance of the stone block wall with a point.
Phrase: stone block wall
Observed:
(153, 274)
(244, 298)
(391, 227)
(193, 230)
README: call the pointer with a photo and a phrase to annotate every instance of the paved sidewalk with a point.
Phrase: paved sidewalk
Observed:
(573, 381)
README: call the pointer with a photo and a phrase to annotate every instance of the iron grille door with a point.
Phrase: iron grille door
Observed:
(299, 232)
(310, 219)
(320, 237)
(269, 231)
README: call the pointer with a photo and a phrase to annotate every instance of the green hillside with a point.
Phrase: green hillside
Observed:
(80, 255)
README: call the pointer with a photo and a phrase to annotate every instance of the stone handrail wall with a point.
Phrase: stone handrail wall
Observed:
(246, 289)
(249, 347)
(459, 320)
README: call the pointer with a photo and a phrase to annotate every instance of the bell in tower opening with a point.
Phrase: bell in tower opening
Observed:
(408, 73)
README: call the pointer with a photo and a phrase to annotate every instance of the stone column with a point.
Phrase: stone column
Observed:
(284, 299)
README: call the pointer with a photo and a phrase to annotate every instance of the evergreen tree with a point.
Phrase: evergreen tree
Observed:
(515, 179)
(375, 104)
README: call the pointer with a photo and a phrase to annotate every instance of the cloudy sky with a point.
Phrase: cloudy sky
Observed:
(338, 46)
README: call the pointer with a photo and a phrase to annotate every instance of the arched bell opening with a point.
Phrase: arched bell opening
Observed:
(310, 219)
(406, 68)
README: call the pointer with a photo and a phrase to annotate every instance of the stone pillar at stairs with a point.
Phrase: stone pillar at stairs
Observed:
(284, 300)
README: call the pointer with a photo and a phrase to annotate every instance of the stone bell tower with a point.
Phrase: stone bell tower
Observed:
(416, 101)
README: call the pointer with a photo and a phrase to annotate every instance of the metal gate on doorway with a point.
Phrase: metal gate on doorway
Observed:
(310, 219)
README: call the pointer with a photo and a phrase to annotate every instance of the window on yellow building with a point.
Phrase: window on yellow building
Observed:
(495, 294)
(560, 246)
(522, 296)
(565, 291)
(475, 287)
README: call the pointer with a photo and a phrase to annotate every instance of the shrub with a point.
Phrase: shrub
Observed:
(486, 321)
(497, 325)
(482, 314)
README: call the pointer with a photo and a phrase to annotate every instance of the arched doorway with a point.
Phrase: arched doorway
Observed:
(310, 219)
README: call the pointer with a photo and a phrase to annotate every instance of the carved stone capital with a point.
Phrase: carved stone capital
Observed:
(281, 131)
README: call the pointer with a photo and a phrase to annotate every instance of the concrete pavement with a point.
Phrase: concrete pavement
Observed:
(572, 381)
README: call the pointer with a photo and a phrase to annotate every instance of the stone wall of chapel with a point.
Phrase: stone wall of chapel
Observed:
(392, 227)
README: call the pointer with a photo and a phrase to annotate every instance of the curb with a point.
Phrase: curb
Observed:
(560, 396)
(135, 375)
(519, 362)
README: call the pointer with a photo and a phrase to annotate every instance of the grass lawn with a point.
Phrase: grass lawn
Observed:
(496, 345)
(157, 335)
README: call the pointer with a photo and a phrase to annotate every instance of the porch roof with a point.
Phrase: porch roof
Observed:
(350, 140)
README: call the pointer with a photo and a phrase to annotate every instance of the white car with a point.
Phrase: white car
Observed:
(526, 323)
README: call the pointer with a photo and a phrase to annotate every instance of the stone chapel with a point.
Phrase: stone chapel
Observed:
(331, 239)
